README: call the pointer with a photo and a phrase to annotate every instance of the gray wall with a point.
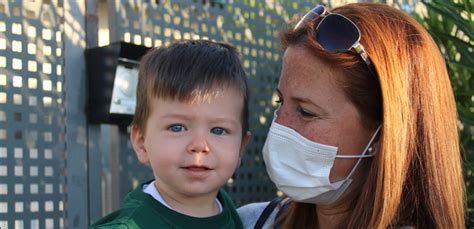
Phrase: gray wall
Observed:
(32, 115)
(56, 169)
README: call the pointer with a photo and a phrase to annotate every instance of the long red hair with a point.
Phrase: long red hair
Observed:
(415, 178)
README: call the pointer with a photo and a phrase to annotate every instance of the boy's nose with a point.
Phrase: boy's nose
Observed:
(198, 145)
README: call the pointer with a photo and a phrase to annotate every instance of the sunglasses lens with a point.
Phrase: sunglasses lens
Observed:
(315, 12)
(319, 10)
(336, 33)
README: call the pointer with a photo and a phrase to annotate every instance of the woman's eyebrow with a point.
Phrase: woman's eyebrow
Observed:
(301, 100)
(278, 92)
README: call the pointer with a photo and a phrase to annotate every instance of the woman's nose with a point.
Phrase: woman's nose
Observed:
(280, 115)
(198, 144)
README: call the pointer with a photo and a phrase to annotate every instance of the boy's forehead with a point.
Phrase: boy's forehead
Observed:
(217, 103)
(203, 96)
(200, 96)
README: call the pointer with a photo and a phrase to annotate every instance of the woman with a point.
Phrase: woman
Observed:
(366, 132)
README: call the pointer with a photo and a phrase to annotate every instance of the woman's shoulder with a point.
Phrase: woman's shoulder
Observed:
(249, 213)
(252, 209)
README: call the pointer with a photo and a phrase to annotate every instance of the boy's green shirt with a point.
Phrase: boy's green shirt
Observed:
(140, 210)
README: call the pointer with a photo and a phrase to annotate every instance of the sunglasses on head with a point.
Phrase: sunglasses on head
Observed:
(335, 32)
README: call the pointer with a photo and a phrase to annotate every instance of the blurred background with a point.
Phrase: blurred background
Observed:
(65, 155)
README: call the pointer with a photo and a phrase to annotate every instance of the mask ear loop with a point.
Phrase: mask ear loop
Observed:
(368, 148)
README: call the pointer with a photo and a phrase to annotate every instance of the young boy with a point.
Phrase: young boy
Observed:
(191, 126)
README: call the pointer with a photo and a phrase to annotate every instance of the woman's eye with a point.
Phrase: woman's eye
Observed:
(177, 128)
(305, 113)
(218, 131)
(279, 101)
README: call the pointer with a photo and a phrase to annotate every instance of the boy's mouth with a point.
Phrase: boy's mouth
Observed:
(197, 171)
(197, 168)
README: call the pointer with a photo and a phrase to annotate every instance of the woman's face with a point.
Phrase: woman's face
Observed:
(314, 105)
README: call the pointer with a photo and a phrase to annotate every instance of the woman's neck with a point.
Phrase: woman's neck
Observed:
(332, 216)
(337, 214)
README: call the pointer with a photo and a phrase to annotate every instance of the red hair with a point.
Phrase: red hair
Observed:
(415, 178)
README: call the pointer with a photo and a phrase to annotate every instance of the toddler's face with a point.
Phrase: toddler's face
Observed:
(193, 148)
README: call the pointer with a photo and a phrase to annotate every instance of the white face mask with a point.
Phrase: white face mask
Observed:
(300, 167)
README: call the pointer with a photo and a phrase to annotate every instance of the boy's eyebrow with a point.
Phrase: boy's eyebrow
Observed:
(176, 115)
(232, 121)
(214, 120)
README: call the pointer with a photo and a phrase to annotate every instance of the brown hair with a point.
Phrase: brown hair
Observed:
(188, 70)
(415, 177)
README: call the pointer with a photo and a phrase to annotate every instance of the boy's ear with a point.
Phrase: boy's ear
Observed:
(245, 141)
(138, 142)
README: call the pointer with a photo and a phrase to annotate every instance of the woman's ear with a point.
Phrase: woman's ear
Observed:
(375, 144)
(137, 138)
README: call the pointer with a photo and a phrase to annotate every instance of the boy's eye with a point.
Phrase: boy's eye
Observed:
(177, 128)
(218, 131)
